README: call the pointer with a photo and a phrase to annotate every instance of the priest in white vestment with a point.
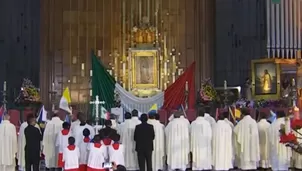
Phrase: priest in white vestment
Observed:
(50, 150)
(247, 139)
(208, 117)
(78, 130)
(21, 146)
(263, 128)
(74, 124)
(158, 154)
(226, 116)
(177, 143)
(280, 155)
(201, 143)
(222, 147)
(126, 132)
(8, 145)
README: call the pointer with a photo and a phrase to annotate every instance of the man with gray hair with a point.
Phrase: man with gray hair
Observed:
(178, 142)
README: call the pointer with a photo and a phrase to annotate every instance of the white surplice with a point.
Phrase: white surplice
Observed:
(280, 155)
(8, 146)
(116, 154)
(247, 139)
(83, 146)
(96, 157)
(263, 128)
(21, 145)
(50, 151)
(158, 153)
(177, 144)
(222, 147)
(210, 119)
(127, 138)
(78, 133)
(201, 144)
(71, 158)
(297, 158)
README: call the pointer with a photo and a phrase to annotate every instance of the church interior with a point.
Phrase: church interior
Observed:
(146, 45)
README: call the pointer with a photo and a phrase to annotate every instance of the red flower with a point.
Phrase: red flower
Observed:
(296, 124)
(289, 138)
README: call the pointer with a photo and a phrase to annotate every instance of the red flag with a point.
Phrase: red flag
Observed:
(175, 94)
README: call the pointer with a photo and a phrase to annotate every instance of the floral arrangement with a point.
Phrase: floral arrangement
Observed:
(28, 92)
(260, 103)
(207, 91)
(290, 139)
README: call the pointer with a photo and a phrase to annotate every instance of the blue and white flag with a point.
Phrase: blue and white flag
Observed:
(42, 117)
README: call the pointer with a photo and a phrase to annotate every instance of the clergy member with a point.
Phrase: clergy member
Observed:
(8, 144)
(50, 151)
(78, 130)
(280, 155)
(158, 153)
(222, 147)
(208, 117)
(226, 119)
(126, 132)
(21, 146)
(177, 143)
(263, 128)
(74, 124)
(201, 142)
(247, 139)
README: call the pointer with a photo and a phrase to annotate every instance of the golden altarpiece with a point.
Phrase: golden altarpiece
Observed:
(145, 44)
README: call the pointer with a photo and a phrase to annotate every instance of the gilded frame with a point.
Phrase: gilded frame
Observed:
(271, 96)
(143, 53)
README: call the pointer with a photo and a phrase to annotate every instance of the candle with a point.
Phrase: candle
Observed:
(165, 86)
(173, 77)
(165, 68)
(4, 86)
(293, 82)
(187, 86)
(124, 69)
(173, 59)
(53, 86)
(225, 85)
(90, 93)
(90, 73)
(99, 52)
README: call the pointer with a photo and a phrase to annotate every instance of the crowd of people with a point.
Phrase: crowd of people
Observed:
(143, 143)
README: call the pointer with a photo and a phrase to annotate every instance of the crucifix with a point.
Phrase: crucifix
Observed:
(97, 102)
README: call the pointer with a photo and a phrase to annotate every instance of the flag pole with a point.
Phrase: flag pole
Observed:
(4, 95)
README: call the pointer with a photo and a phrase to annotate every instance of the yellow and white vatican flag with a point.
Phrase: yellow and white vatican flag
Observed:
(65, 101)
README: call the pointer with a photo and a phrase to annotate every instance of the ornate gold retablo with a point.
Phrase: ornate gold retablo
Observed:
(144, 35)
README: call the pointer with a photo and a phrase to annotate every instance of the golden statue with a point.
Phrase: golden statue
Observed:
(266, 81)
(145, 33)
(139, 36)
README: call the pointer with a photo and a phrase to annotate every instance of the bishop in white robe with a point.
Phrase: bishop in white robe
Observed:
(21, 145)
(280, 155)
(201, 143)
(158, 154)
(208, 117)
(247, 139)
(263, 128)
(127, 138)
(222, 147)
(50, 150)
(8, 144)
(177, 143)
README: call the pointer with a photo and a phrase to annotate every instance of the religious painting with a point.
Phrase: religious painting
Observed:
(266, 79)
(144, 68)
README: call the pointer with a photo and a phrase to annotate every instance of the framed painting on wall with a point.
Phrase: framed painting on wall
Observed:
(265, 79)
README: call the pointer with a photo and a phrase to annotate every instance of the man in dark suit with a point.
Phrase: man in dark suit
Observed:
(144, 136)
(33, 139)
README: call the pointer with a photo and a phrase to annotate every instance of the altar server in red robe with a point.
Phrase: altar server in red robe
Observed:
(62, 142)
(97, 154)
(83, 146)
(71, 155)
(116, 151)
